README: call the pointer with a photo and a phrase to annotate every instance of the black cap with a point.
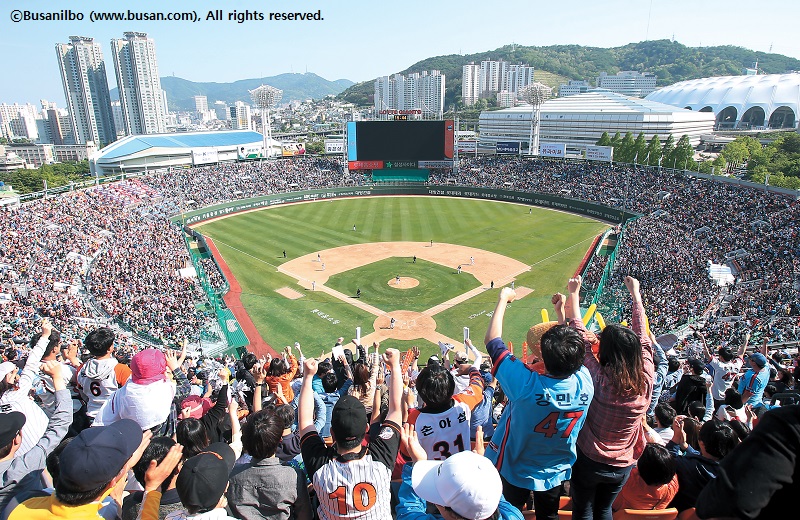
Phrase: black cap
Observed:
(10, 425)
(204, 477)
(97, 455)
(348, 419)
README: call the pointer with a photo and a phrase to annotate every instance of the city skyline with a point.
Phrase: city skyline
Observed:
(355, 42)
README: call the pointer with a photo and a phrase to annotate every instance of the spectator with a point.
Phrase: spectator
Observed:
(349, 471)
(95, 463)
(15, 387)
(696, 469)
(264, 488)
(157, 450)
(612, 438)
(203, 481)
(451, 486)
(665, 417)
(652, 483)
(102, 374)
(536, 451)
(147, 398)
(725, 368)
(20, 473)
(752, 384)
(281, 372)
(691, 387)
(768, 459)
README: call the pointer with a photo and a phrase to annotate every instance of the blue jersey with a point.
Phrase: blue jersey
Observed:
(755, 383)
(533, 446)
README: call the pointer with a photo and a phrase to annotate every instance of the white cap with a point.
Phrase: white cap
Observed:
(6, 368)
(467, 483)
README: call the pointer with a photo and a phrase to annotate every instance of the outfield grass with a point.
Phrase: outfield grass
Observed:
(437, 284)
(252, 244)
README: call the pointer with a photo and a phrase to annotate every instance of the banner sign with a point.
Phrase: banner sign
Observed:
(507, 148)
(553, 150)
(599, 153)
(467, 146)
(334, 145)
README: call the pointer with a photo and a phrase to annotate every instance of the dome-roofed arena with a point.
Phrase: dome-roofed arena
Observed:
(741, 102)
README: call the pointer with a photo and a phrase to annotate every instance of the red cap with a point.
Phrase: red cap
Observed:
(149, 366)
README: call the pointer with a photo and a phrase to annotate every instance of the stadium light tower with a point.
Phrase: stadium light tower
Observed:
(534, 94)
(266, 97)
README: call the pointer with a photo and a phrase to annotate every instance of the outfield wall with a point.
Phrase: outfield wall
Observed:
(596, 211)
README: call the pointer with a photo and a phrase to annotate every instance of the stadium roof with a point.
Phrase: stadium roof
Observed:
(137, 143)
(604, 101)
(771, 100)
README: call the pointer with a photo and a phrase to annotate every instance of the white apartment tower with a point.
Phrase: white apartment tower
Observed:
(83, 74)
(422, 91)
(499, 76)
(200, 104)
(140, 93)
(470, 84)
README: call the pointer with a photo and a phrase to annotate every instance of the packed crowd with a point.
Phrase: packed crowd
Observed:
(591, 423)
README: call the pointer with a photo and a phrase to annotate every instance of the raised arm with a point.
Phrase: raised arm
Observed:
(392, 359)
(573, 305)
(305, 412)
(495, 329)
(31, 368)
(743, 347)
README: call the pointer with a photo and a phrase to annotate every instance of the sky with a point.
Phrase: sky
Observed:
(360, 40)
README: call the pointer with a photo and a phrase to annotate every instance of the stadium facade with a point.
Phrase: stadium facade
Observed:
(137, 153)
(580, 120)
(739, 102)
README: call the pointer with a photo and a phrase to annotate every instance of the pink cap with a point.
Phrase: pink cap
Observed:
(149, 366)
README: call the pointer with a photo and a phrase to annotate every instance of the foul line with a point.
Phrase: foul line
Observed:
(247, 254)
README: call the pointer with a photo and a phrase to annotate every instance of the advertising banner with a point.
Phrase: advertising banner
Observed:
(553, 150)
(204, 156)
(599, 153)
(250, 151)
(365, 165)
(292, 149)
(334, 145)
(467, 146)
(507, 148)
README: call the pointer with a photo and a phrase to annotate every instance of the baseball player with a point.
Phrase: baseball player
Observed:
(351, 481)
(392, 321)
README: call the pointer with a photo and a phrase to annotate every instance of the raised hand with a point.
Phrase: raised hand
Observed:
(410, 442)
(310, 367)
(507, 294)
(574, 284)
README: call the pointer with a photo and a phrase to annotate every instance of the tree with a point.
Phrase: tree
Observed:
(616, 140)
(624, 152)
(653, 152)
(640, 148)
(604, 140)
(666, 151)
(682, 154)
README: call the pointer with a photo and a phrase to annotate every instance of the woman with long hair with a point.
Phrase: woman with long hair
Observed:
(612, 438)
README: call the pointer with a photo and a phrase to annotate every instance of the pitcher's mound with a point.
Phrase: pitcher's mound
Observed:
(405, 283)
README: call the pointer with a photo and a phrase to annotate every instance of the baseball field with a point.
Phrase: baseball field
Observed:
(312, 272)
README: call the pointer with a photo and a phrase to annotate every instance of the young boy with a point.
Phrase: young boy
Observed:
(102, 374)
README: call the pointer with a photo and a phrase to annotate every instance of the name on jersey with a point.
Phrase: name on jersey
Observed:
(443, 423)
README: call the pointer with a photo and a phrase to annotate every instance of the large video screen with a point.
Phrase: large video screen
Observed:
(373, 142)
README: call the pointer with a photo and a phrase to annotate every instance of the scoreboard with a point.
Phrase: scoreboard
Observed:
(377, 145)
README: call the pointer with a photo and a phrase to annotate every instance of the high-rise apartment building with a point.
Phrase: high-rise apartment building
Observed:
(19, 121)
(628, 82)
(241, 116)
(83, 74)
(573, 87)
(140, 93)
(470, 84)
(200, 104)
(422, 91)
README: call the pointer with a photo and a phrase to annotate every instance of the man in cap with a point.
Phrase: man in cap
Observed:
(351, 480)
(755, 380)
(95, 465)
(691, 387)
(725, 366)
(147, 397)
(466, 486)
(23, 473)
(203, 481)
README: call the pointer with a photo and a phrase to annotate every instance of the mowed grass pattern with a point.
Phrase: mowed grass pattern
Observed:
(252, 244)
(437, 284)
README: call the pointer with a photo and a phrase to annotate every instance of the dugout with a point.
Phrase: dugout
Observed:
(393, 175)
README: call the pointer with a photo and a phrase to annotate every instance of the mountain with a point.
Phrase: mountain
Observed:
(296, 87)
(670, 61)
